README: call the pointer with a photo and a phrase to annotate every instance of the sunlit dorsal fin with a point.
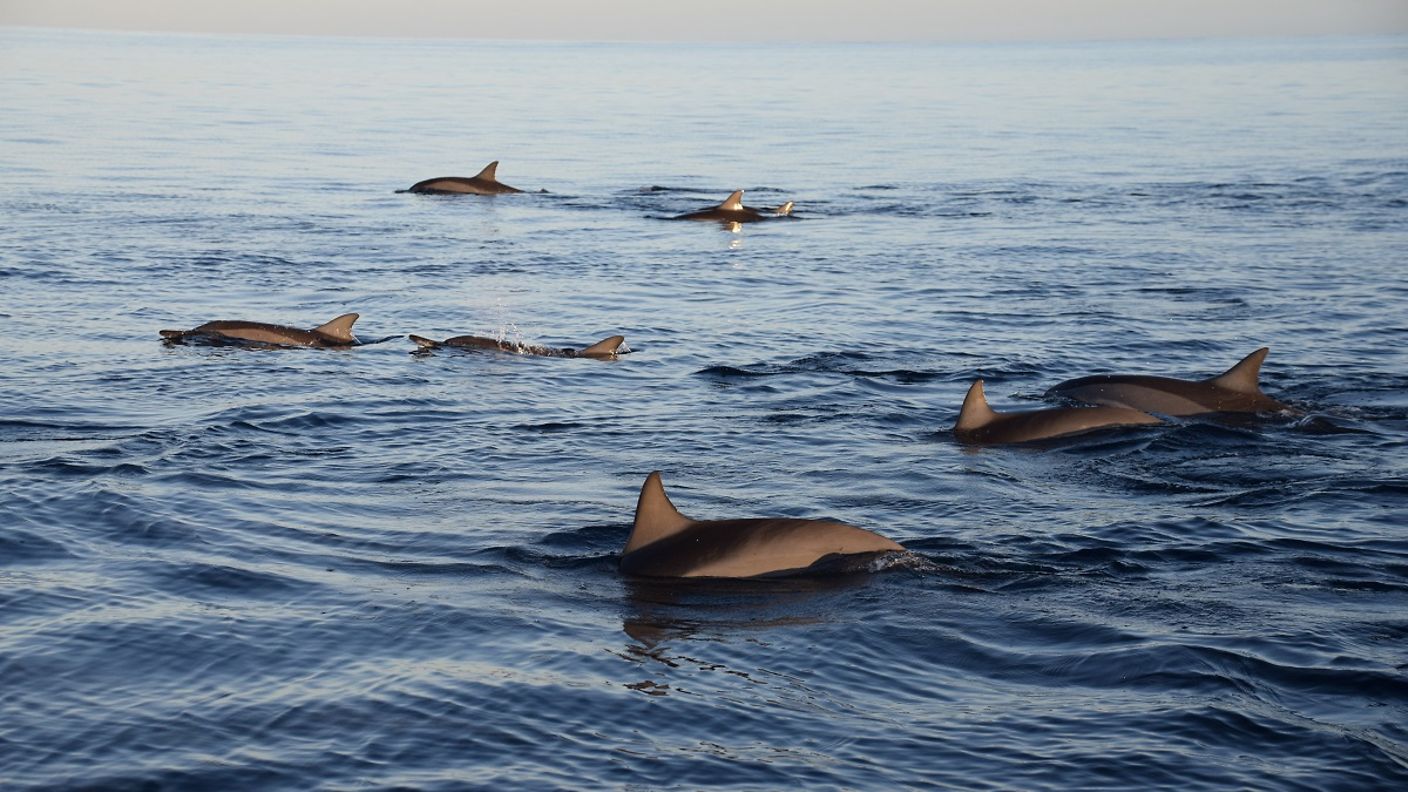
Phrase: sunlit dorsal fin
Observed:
(733, 203)
(656, 517)
(339, 329)
(1245, 376)
(489, 170)
(785, 209)
(975, 413)
(606, 346)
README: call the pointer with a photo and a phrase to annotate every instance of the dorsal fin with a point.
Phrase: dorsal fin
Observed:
(733, 203)
(975, 413)
(1245, 376)
(606, 346)
(656, 516)
(785, 209)
(339, 329)
(488, 173)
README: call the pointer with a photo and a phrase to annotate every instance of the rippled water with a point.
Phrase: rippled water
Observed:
(368, 568)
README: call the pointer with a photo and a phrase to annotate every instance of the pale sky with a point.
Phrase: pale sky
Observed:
(728, 20)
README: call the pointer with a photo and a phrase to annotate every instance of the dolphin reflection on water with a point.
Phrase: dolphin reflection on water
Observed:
(665, 543)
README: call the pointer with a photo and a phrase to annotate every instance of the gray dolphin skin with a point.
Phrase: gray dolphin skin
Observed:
(335, 333)
(979, 424)
(665, 543)
(605, 348)
(1236, 390)
(485, 183)
(732, 210)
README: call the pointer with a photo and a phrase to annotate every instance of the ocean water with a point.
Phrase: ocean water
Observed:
(367, 568)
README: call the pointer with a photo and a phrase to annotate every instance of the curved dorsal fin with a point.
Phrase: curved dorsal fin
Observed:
(975, 413)
(606, 346)
(1245, 376)
(488, 173)
(339, 329)
(785, 210)
(733, 203)
(656, 517)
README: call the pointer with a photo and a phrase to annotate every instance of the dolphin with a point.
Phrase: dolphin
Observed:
(607, 347)
(979, 424)
(732, 210)
(337, 332)
(665, 543)
(483, 184)
(1235, 390)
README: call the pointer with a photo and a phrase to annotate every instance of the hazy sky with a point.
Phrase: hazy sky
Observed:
(729, 20)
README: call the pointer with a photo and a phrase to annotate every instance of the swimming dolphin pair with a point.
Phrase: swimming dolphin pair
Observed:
(336, 333)
(732, 210)
(607, 347)
(665, 543)
(1119, 400)
(486, 182)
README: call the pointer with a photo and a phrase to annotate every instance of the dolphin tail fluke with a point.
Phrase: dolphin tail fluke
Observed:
(1245, 377)
(656, 516)
(785, 210)
(733, 203)
(489, 170)
(424, 343)
(975, 413)
(606, 346)
(339, 329)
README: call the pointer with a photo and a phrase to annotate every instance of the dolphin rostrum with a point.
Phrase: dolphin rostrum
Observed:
(483, 184)
(732, 210)
(607, 347)
(980, 424)
(338, 332)
(665, 543)
(1235, 390)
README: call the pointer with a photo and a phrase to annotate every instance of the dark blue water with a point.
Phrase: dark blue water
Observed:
(364, 568)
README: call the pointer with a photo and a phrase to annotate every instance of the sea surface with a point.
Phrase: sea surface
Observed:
(293, 569)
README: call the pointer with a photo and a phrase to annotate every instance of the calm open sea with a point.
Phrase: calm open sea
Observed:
(360, 569)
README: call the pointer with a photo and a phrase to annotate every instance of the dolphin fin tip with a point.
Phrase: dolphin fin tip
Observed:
(606, 346)
(975, 412)
(656, 517)
(1245, 376)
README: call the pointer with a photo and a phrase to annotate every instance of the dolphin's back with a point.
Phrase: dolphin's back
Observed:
(665, 543)
(1238, 389)
(751, 548)
(1034, 425)
(1163, 395)
(979, 423)
(260, 333)
(451, 185)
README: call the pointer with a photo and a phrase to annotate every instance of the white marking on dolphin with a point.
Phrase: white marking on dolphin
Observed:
(732, 210)
(665, 543)
(981, 425)
(607, 347)
(1236, 390)
(484, 183)
(337, 332)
